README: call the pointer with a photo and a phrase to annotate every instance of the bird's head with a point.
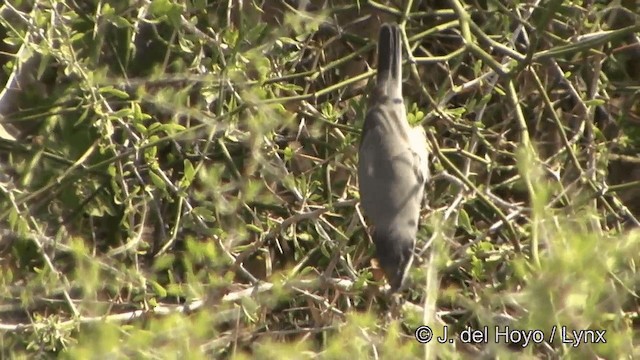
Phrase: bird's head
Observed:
(395, 255)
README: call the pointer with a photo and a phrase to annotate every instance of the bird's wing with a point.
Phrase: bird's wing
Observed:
(420, 150)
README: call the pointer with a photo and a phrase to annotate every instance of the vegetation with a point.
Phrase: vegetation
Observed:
(178, 179)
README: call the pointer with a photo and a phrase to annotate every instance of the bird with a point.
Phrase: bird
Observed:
(392, 165)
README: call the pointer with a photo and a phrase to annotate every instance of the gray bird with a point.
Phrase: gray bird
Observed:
(393, 165)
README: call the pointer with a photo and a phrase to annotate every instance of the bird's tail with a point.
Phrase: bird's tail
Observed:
(389, 80)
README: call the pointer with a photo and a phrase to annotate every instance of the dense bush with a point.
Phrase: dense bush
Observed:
(178, 178)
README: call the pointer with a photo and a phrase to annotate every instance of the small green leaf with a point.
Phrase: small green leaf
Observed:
(157, 181)
(594, 102)
(204, 213)
(107, 10)
(189, 171)
(120, 22)
(158, 289)
(288, 153)
(171, 128)
(464, 221)
(110, 90)
(254, 228)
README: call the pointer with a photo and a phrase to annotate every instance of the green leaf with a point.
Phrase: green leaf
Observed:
(594, 102)
(204, 213)
(168, 9)
(464, 221)
(171, 128)
(157, 181)
(158, 289)
(189, 171)
(107, 10)
(288, 153)
(110, 90)
(120, 22)
(254, 228)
